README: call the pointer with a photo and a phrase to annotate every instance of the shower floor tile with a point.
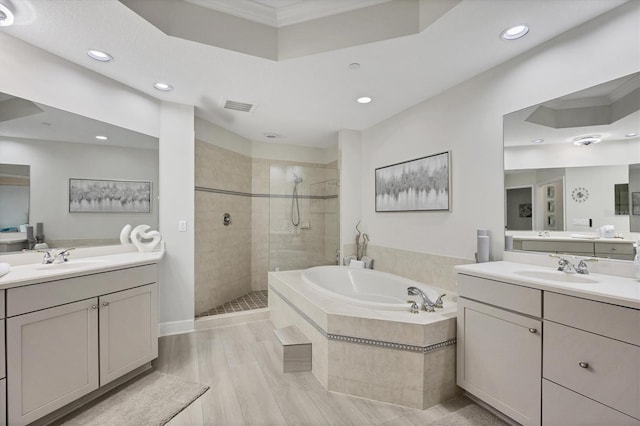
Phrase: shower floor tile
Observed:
(252, 300)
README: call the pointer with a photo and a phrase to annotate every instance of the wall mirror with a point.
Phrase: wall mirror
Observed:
(572, 165)
(42, 148)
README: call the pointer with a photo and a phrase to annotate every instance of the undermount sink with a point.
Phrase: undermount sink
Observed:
(73, 264)
(558, 276)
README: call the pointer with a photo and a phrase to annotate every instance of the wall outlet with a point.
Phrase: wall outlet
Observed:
(182, 226)
(581, 222)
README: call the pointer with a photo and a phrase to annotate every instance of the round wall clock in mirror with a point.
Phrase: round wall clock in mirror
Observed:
(579, 194)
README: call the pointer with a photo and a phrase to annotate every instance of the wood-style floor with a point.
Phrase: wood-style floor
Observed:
(240, 363)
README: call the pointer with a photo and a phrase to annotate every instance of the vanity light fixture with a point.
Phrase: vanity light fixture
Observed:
(587, 140)
(6, 16)
(163, 86)
(514, 32)
(102, 138)
(537, 141)
(99, 55)
(364, 100)
(630, 135)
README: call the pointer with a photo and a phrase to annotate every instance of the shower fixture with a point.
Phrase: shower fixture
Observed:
(295, 203)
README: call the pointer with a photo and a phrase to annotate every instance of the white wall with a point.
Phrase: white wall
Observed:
(467, 120)
(350, 146)
(53, 163)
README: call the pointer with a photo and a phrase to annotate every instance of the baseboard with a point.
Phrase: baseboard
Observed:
(175, 327)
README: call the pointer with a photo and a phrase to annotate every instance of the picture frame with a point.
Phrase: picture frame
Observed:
(109, 196)
(422, 184)
(551, 206)
(551, 192)
(635, 203)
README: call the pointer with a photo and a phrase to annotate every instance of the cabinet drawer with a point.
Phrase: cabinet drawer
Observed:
(559, 246)
(602, 318)
(508, 296)
(3, 402)
(615, 248)
(21, 300)
(610, 372)
(560, 406)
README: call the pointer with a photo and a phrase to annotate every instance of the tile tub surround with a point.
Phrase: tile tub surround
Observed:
(426, 268)
(390, 356)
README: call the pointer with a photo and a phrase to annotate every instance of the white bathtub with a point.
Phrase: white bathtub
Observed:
(368, 288)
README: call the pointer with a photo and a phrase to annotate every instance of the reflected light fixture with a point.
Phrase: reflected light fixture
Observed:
(630, 135)
(364, 100)
(99, 55)
(163, 86)
(6, 16)
(514, 32)
(537, 141)
(102, 138)
(587, 140)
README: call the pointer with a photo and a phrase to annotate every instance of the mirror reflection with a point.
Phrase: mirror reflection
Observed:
(572, 167)
(41, 149)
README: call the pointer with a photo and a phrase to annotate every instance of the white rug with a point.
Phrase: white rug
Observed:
(152, 399)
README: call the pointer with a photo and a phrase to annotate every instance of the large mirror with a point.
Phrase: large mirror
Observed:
(572, 172)
(44, 151)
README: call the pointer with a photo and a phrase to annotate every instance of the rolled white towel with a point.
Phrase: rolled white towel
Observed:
(4, 268)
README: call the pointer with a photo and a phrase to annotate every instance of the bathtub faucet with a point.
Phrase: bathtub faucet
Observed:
(427, 304)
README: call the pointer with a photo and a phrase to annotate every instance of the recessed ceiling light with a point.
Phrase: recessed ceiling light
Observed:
(354, 66)
(102, 138)
(163, 86)
(587, 140)
(6, 16)
(271, 135)
(99, 55)
(537, 141)
(364, 100)
(514, 32)
(630, 135)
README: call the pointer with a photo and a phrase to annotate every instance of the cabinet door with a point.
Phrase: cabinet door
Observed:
(128, 331)
(52, 359)
(499, 359)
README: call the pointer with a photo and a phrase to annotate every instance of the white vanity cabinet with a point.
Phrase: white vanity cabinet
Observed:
(500, 350)
(3, 373)
(69, 337)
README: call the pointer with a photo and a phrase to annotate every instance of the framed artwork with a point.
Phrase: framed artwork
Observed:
(551, 206)
(423, 184)
(635, 203)
(551, 192)
(525, 210)
(109, 196)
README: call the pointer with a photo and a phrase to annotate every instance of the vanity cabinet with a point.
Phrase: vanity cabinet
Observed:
(61, 348)
(499, 350)
(3, 372)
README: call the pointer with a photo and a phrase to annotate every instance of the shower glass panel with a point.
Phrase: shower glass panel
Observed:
(304, 228)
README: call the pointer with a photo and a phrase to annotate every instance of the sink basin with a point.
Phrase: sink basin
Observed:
(557, 276)
(73, 264)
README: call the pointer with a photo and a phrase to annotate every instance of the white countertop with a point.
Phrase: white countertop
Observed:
(37, 273)
(617, 290)
(12, 237)
(584, 238)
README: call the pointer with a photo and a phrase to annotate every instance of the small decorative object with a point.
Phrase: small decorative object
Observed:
(551, 192)
(524, 210)
(109, 196)
(139, 233)
(580, 194)
(635, 203)
(551, 206)
(422, 184)
(551, 220)
(124, 234)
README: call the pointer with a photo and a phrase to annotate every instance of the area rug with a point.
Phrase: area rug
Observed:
(153, 399)
(471, 415)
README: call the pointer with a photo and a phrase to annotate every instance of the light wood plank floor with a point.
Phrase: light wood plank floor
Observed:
(241, 366)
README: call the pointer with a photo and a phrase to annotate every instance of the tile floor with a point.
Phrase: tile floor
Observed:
(252, 300)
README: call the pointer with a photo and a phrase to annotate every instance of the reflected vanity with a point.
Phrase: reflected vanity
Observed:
(572, 165)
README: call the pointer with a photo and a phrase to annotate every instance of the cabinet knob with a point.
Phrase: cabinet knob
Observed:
(533, 330)
(105, 303)
(583, 364)
(94, 306)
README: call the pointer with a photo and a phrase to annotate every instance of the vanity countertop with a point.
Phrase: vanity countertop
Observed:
(576, 237)
(12, 237)
(75, 267)
(617, 290)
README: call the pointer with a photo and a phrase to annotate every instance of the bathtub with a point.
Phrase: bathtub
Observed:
(368, 288)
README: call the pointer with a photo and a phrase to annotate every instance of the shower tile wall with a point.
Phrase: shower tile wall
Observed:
(222, 253)
(259, 224)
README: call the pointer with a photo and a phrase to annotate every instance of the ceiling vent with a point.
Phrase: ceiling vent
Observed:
(238, 106)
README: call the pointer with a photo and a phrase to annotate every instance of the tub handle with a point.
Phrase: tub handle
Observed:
(414, 308)
(439, 302)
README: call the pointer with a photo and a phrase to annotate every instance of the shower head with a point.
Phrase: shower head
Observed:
(297, 179)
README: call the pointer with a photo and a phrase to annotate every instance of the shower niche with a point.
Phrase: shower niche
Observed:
(304, 224)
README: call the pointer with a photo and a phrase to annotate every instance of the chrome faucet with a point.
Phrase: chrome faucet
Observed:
(427, 304)
(56, 256)
(565, 265)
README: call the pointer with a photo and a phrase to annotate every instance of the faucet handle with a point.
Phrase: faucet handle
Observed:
(439, 302)
(414, 308)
